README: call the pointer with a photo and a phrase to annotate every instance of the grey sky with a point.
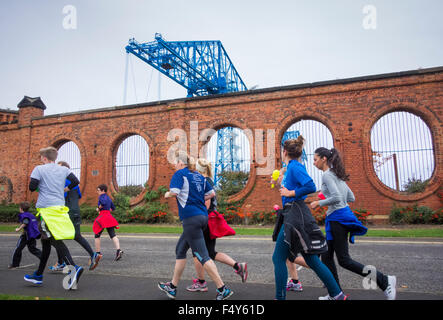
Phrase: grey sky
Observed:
(272, 43)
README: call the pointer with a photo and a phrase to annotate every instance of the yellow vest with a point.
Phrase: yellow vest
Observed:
(58, 222)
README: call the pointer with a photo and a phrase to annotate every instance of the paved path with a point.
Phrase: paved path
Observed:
(418, 265)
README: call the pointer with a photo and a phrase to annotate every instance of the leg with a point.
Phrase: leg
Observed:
(80, 240)
(180, 265)
(60, 246)
(328, 259)
(199, 269)
(46, 252)
(97, 241)
(340, 234)
(17, 254)
(279, 257)
(292, 268)
(323, 273)
(33, 248)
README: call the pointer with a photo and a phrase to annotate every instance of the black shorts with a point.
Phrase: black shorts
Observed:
(111, 232)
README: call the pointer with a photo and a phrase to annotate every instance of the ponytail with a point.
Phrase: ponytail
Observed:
(335, 162)
(204, 167)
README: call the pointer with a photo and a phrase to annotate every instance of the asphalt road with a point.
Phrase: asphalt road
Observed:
(147, 259)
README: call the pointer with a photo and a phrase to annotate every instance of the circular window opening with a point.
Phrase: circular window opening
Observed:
(316, 135)
(402, 151)
(132, 165)
(70, 153)
(229, 153)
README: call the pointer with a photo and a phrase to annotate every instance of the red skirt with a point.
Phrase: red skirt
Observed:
(104, 220)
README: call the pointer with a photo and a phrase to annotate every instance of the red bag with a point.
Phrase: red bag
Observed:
(218, 227)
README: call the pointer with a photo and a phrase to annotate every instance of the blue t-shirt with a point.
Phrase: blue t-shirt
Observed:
(105, 202)
(296, 178)
(191, 188)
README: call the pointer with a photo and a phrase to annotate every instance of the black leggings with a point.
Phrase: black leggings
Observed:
(339, 245)
(80, 240)
(192, 237)
(60, 247)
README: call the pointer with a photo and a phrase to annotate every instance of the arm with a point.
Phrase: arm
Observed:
(74, 181)
(209, 195)
(350, 196)
(333, 190)
(21, 227)
(33, 184)
(306, 189)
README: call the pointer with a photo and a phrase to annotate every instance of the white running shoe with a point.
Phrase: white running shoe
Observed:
(391, 290)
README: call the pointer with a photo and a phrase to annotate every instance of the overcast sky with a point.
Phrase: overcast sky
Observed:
(271, 43)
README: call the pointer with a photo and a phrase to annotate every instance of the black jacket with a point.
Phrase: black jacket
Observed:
(301, 230)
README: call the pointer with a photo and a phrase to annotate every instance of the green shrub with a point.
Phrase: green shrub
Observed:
(231, 182)
(415, 185)
(262, 217)
(154, 212)
(130, 190)
(415, 215)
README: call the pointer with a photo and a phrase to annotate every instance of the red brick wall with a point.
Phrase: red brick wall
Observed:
(336, 104)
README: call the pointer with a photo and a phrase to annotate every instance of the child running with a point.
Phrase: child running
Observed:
(299, 232)
(341, 222)
(205, 168)
(105, 220)
(29, 226)
(55, 224)
(191, 190)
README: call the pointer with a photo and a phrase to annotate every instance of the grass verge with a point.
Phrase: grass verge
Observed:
(391, 232)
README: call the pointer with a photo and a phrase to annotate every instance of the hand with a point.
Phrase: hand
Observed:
(17, 229)
(287, 193)
(315, 204)
(167, 194)
(67, 189)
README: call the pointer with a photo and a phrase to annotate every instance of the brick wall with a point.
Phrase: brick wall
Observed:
(349, 108)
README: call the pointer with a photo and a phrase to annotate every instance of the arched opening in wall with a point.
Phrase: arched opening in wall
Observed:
(228, 150)
(316, 135)
(402, 151)
(132, 165)
(70, 153)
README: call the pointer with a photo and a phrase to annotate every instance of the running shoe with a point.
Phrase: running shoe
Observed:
(72, 284)
(166, 288)
(225, 294)
(94, 260)
(342, 296)
(118, 255)
(291, 286)
(197, 286)
(391, 290)
(243, 271)
(57, 267)
(34, 278)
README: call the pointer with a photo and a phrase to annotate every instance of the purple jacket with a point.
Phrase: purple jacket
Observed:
(31, 229)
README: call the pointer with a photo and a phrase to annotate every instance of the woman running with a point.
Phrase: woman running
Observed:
(341, 222)
(205, 168)
(191, 190)
(299, 232)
